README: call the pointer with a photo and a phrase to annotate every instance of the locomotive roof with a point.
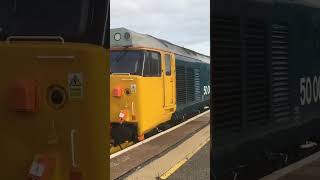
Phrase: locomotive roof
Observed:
(311, 3)
(122, 37)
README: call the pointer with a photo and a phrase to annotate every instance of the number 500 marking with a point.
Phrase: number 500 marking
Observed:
(309, 90)
(206, 90)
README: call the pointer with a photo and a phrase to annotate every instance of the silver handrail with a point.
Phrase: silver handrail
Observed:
(73, 158)
(12, 38)
(121, 74)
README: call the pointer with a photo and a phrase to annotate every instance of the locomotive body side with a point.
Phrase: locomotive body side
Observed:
(193, 85)
(304, 67)
(267, 54)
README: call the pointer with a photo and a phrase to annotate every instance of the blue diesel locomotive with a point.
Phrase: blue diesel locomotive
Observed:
(266, 82)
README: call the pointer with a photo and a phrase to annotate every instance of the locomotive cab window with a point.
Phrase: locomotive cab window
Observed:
(139, 62)
(152, 64)
(126, 62)
(168, 65)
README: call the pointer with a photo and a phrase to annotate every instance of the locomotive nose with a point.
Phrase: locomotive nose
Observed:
(122, 98)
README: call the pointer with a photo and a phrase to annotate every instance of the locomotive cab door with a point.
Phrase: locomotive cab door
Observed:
(169, 81)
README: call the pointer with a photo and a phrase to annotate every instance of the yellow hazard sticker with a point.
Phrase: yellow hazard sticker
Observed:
(75, 83)
(133, 88)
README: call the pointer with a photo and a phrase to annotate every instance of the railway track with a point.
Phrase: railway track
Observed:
(138, 156)
(117, 150)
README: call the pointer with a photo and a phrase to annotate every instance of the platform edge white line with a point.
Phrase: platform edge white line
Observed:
(157, 135)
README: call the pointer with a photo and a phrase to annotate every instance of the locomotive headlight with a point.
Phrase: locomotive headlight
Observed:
(127, 91)
(127, 36)
(117, 37)
(56, 96)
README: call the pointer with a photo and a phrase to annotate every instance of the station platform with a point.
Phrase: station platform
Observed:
(199, 165)
(305, 169)
(161, 156)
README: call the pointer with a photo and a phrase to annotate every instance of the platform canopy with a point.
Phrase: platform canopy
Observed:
(122, 37)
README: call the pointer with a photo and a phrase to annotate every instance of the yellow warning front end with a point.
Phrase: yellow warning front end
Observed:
(142, 96)
(53, 111)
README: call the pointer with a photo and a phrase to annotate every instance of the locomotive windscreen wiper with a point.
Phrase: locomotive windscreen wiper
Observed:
(117, 59)
(122, 53)
(126, 62)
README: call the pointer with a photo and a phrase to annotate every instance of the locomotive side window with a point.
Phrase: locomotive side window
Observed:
(168, 65)
(152, 64)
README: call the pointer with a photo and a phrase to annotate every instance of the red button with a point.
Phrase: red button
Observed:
(117, 92)
(24, 95)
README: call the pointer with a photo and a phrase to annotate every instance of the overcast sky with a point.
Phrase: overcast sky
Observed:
(182, 22)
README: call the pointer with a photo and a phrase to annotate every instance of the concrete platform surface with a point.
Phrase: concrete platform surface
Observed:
(129, 161)
(168, 162)
(197, 167)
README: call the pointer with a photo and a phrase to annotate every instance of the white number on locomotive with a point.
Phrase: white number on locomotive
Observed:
(309, 90)
(206, 90)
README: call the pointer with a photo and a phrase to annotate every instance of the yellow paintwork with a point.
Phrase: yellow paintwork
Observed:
(170, 83)
(147, 104)
(23, 135)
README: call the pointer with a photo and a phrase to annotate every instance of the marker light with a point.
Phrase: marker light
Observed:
(127, 36)
(24, 96)
(56, 96)
(127, 91)
(117, 37)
